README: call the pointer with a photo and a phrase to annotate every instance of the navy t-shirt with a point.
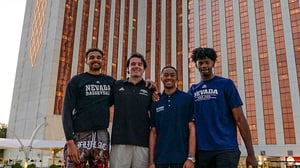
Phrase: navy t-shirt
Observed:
(215, 125)
(86, 103)
(171, 115)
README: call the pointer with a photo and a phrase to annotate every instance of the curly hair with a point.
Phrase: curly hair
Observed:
(201, 53)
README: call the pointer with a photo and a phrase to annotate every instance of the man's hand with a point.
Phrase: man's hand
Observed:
(155, 96)
(251, 160)
(188, 164)
(151, 85)
(73, 152)
(152, 165)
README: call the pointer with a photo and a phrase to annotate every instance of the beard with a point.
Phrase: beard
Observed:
(95, 68)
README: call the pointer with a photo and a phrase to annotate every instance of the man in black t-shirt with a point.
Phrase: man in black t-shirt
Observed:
(86, 115)
(130, 131)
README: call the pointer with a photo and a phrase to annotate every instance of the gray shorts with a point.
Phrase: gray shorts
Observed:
(128, 156)
(93, 147)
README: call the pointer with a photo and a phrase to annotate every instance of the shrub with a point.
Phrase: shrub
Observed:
(53, 166)
(16, 165)
(31, 166)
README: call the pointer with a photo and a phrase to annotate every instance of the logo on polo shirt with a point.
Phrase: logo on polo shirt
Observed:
(143, 92)
(121, 89)
(159, 109)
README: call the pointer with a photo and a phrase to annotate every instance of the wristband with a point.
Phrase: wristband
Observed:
(191, 158)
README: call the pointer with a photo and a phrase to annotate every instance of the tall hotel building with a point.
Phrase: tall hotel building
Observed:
(257, 43)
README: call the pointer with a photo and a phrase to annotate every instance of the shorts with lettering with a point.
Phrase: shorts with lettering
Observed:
(93, 147)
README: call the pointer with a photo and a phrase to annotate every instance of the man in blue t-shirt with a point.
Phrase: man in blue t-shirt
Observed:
(172, 141)
(218, 111)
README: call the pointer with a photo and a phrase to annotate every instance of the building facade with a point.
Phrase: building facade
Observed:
(257, 43)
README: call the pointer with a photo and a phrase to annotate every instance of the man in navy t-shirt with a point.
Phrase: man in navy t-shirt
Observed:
(85, 115)
(218, 111)
(172, 141)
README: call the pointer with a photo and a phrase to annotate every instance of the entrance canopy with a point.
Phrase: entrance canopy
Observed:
(24, 145)
(7, 143)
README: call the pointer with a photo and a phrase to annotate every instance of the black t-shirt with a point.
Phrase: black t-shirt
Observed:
(131, 113)
(86, 103)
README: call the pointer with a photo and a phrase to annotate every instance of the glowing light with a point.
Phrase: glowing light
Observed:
(37, 29)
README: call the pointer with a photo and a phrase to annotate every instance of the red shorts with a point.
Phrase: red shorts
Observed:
(93, 147)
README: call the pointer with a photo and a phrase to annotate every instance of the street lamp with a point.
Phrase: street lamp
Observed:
(27, 149)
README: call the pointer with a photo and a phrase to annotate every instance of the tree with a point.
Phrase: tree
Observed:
(3, 130)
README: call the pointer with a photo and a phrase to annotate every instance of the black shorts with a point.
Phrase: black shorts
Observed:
(168, 165)
(217, 159)
(93, 147)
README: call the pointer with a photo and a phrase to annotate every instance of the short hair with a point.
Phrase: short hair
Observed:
(201, 53)
(137, 55)
(168, 66)
(91, 50)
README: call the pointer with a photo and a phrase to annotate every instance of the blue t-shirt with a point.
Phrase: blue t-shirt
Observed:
(171, 115)
(215, 125)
